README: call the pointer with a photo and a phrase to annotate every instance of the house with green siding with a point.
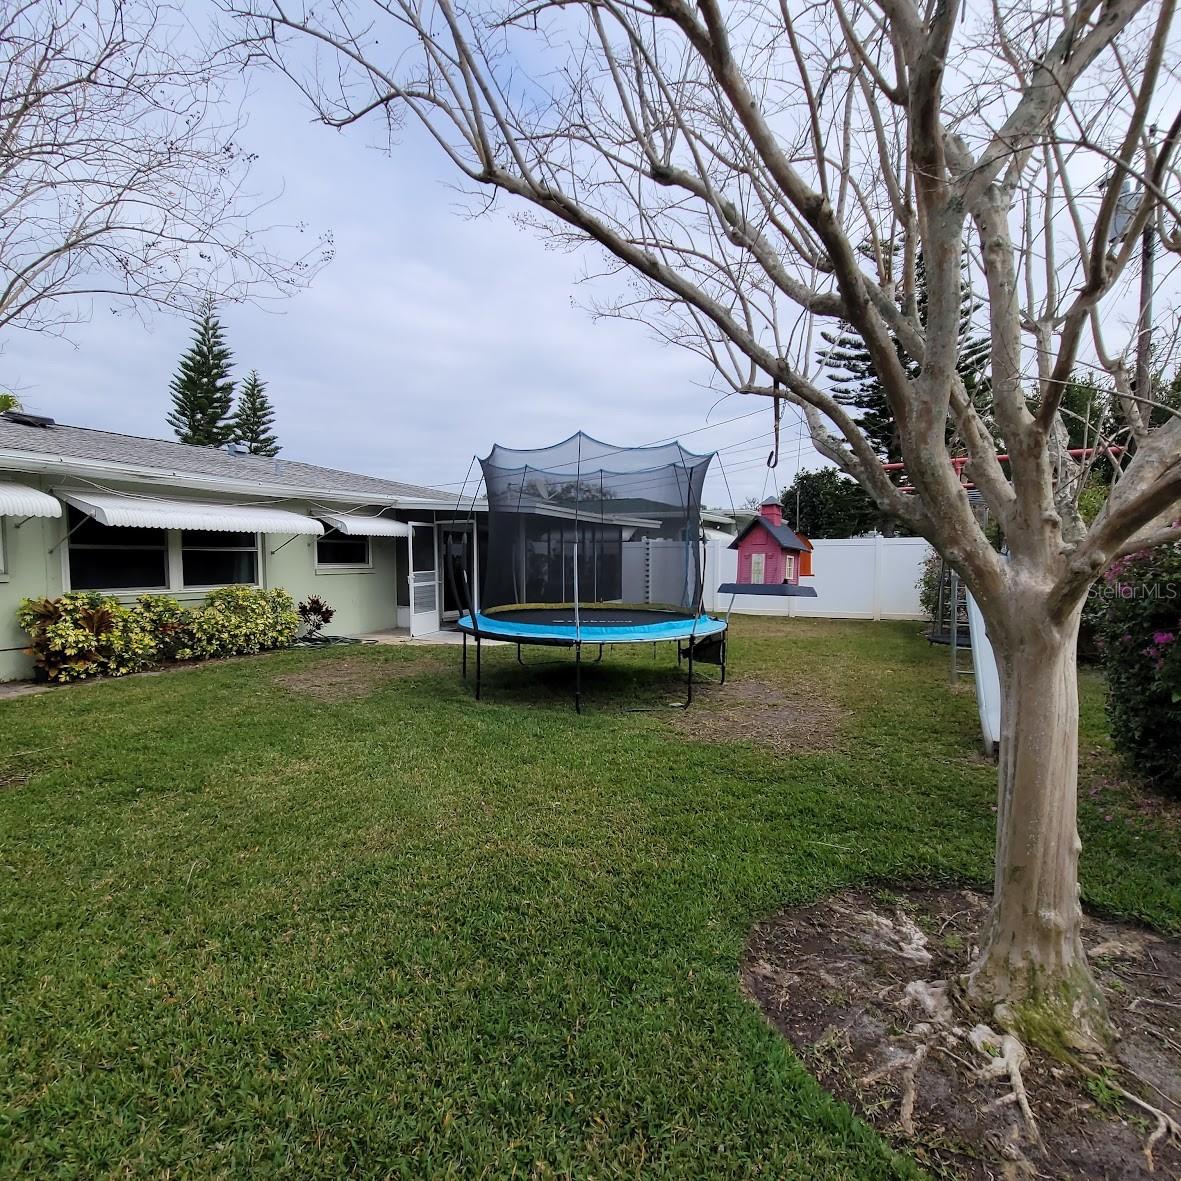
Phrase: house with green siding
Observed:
(84, 509)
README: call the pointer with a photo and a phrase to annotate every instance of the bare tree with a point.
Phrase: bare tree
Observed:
(120, 174)
(754, 167)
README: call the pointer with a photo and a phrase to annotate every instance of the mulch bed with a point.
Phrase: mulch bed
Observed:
(756, 711)
(833, 977)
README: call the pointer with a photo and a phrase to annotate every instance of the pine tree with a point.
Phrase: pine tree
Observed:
(202, 392)
(855, 381)
(255, 417)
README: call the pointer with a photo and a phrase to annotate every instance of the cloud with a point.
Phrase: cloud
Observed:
(431, 336)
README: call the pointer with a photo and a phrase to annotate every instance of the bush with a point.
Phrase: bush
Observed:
(1139, 632)
(928, 584)
(316, 615)
(242, 620)
(87, 634)
(170, 624)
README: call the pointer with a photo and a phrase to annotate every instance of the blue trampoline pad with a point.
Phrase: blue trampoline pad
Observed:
(596, 625)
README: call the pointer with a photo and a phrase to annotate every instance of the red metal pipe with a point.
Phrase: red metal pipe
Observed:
(958, 461)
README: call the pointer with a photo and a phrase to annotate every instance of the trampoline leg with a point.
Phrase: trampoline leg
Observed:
(723, 658)
(519, 660)
(689, 698)
(578, 678)
(465, 656)
(479, 669)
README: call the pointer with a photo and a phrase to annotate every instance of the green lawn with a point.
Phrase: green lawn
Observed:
(249, 933)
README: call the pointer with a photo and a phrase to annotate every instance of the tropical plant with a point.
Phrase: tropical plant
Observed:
(316, 614)
(85, 634)
(240, 620)
(170, 624)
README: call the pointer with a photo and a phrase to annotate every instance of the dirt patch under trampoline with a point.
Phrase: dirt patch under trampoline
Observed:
(348, 678)
(856, 984)
(760, 712)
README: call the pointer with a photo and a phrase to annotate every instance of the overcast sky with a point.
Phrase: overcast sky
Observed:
(430, 337)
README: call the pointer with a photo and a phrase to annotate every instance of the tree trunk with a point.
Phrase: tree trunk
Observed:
(1032, 957)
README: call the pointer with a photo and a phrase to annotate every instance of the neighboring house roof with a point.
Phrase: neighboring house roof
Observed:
(787, 538)
(715, 516)
(129, 455)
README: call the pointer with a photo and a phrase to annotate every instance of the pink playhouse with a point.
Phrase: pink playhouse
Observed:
(772, 557)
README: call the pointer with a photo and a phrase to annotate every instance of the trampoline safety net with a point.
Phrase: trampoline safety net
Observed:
(584, 523)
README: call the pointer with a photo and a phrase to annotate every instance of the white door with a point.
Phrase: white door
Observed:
(424, 580)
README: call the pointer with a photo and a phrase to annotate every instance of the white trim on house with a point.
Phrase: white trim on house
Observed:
(149, 512)
(92, 469)
(19, 500)
(365, 525)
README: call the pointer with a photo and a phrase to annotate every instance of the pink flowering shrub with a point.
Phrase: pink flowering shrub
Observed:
(1139, 632)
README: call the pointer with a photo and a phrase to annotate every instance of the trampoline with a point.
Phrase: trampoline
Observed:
(592, 544)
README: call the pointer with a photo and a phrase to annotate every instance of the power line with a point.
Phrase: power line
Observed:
(709, 426)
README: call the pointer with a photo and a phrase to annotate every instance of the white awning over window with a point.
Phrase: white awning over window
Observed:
(19, 500)
(359, 525)
(146, 512)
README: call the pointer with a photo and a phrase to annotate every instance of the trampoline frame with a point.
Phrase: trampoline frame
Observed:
(469, 625)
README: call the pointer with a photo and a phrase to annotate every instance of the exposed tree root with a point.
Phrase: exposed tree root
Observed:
(909, 1090)
(1033, 1112)
(1166, 1126)
(1006, 1056)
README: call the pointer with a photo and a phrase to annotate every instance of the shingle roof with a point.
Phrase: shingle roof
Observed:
(785, 536)
(171, 458)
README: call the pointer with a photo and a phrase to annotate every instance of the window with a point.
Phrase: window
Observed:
(336, 549)
(789, 567)
(758, 565)
(113, 557)
(210, 558)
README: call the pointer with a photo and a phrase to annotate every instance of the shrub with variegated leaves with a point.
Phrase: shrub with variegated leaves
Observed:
(240, 620)
(87, 634)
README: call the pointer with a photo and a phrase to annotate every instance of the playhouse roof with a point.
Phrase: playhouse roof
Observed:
(787, 538)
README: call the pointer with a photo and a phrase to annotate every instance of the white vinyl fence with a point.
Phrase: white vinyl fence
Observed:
(854, 578)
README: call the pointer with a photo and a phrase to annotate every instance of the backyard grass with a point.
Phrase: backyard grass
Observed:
(254, 930)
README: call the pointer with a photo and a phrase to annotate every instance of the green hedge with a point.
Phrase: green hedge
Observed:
(87, 634)
(1139, 634)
